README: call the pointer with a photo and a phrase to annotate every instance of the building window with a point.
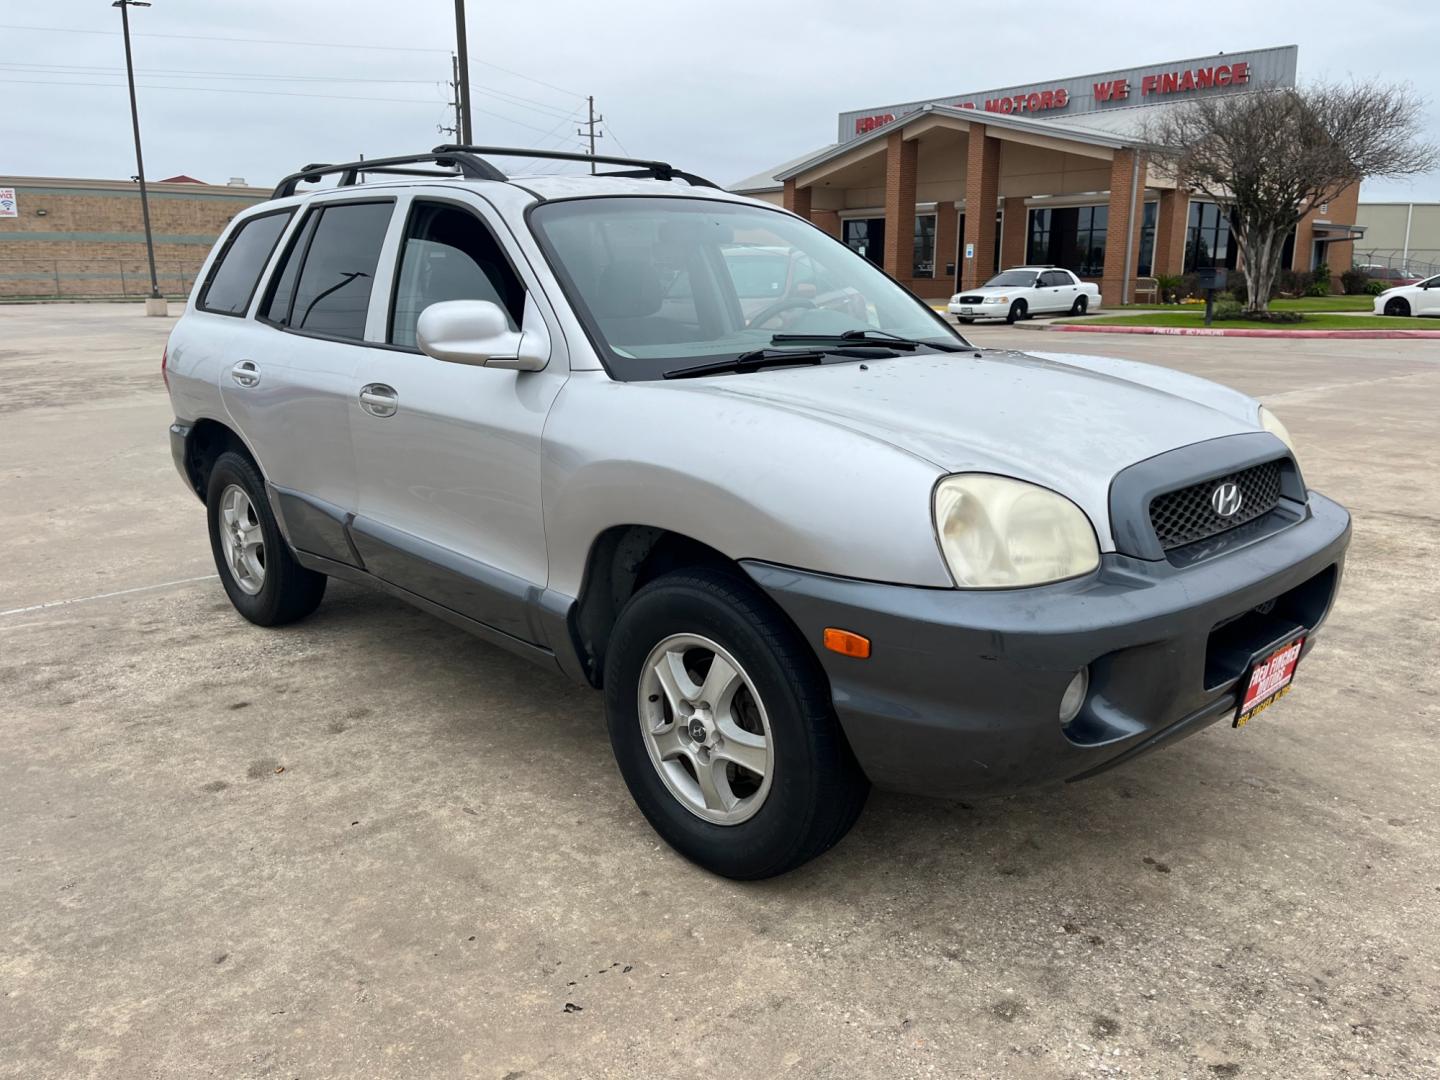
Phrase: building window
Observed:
(866, 237)
(1069, 236)
(924, 263)
(1146, 263)
(1207, 242)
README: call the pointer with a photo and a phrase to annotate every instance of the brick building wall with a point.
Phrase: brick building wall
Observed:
(76, 238)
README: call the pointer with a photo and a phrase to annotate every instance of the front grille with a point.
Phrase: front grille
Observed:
(1189, 515)
(972, 299)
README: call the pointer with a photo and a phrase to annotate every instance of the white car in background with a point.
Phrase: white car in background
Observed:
(1024, 291)
(1422, 298)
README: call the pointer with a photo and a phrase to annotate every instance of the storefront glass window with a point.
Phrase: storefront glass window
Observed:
(1207, 241)
(924, 264)
(1146, 263)
(1069, 236)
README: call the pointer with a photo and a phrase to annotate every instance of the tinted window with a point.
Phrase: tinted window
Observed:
(449, 254)
(332, 294)
(237, 271)
(282, 285)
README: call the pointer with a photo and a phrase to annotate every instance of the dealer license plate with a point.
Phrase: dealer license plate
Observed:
(1269, 681)
(964, 310)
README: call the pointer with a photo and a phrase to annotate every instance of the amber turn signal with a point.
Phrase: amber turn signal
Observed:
(847, 643)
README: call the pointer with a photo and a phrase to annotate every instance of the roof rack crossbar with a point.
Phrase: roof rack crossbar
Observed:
(659, 170)
(468, 166)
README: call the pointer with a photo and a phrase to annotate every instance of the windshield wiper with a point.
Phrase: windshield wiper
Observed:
(751, 361)
(878, 337)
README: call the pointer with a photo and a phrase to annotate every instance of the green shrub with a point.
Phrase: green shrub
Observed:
(1229, 309)
(1294, 283)
(1354, 282)
(1374, 288)
(1168, 287)
(1320, 285)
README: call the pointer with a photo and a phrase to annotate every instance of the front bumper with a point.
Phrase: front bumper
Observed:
(979, 311)
(961, 693)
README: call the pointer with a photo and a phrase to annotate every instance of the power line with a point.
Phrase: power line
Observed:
(528, 78)
(81, 69)
(236, 90)
(237, 40)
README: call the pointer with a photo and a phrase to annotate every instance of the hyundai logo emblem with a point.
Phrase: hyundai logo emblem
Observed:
(1226, 499)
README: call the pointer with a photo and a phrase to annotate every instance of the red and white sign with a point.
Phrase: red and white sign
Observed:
(1269, 677)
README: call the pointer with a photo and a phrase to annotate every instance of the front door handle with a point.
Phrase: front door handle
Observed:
(377, 399)
(246, 373)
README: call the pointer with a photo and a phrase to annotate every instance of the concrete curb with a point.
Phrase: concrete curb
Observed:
(1210, 331)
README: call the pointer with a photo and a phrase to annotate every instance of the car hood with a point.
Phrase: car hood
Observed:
(1064, 421)
(993, 290)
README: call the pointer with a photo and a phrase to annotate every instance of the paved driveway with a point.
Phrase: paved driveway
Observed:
(369, 845)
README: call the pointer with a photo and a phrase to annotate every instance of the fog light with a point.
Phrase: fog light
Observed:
(1074, 696)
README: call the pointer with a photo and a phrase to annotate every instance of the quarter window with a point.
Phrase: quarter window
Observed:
(324, 287)
(450, 254)
(232, 280)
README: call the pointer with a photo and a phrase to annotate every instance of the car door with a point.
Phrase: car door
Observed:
(1053, 288)
(290, 386)
(448, 454)
(1427, 297)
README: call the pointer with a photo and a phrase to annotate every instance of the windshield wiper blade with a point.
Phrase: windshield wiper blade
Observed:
(754, 360)
(877, 337)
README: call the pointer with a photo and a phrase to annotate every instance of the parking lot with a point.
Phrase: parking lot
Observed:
(370, 845)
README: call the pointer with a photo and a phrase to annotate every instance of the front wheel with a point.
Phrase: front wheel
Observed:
(1018, 311)
(966, 320)
(1397, 306)
(259, 574)
(1080, 305)
(721, 723)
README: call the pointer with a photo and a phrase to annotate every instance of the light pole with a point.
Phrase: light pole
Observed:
(463, 51)
(155, 303)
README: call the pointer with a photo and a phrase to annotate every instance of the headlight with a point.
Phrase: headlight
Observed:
(1271, 423)
(998, 533)
(997, 299)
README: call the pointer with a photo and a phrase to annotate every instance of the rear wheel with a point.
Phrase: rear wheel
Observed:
(1080, 305)
(721, 723)
(1397, 306)
(1018, 310)
(259, 573)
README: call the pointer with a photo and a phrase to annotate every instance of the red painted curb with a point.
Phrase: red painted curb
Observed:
(1210, 331)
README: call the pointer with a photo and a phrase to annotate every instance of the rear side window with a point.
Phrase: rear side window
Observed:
(232, 280)
(324, 286)
(450, 254)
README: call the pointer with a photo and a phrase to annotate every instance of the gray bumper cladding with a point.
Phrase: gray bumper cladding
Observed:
(961, 693)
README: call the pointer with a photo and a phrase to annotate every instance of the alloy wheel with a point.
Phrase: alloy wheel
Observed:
(242, 540)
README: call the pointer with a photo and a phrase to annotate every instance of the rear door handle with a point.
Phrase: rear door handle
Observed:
(246, 373)
(377, 399)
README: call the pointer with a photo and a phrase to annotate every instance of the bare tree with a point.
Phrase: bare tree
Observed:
(1267, 157)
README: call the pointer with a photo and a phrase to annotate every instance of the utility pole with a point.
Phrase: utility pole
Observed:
(591, 133)
(454, 101)
(463, 70)
(155, 305)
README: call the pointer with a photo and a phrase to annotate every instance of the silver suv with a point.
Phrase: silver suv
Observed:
(688, 449)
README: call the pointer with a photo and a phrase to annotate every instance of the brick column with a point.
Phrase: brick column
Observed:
(1015, 233)
(1171, 223)
(901, 161)
(947, 220)
(1123, 180)
(982, 189)
(829, 220)
(797, 199)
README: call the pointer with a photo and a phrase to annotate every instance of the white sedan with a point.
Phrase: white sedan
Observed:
(1422, 298)
(1025, 291)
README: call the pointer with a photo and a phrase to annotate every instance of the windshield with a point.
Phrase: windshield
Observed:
(1013, 279)
(670, 283)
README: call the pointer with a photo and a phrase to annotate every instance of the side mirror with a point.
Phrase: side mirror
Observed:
(477, 332)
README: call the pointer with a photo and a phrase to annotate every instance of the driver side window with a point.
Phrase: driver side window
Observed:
(450, 254)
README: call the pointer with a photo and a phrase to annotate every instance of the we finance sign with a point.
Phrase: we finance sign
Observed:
(1148, 85)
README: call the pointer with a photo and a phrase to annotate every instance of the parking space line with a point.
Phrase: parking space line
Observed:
(106, 596)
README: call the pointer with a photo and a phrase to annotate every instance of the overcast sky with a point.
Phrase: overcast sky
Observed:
(723, 90)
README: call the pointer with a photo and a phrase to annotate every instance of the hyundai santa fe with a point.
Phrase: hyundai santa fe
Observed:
(688, 449)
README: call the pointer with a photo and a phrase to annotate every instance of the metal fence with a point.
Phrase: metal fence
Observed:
(1422, 263)
(39, 278)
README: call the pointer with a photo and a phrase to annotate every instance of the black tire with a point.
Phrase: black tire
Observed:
(289, 591)
(1398, 306)
(1080, 305)
(817, 790)
(967, 321)
(1018, 310)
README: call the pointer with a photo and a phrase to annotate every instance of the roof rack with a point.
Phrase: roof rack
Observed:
(464, 165)
(465, 161)
(655, 170)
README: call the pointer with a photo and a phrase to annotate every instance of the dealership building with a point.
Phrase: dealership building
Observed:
(945, 191)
